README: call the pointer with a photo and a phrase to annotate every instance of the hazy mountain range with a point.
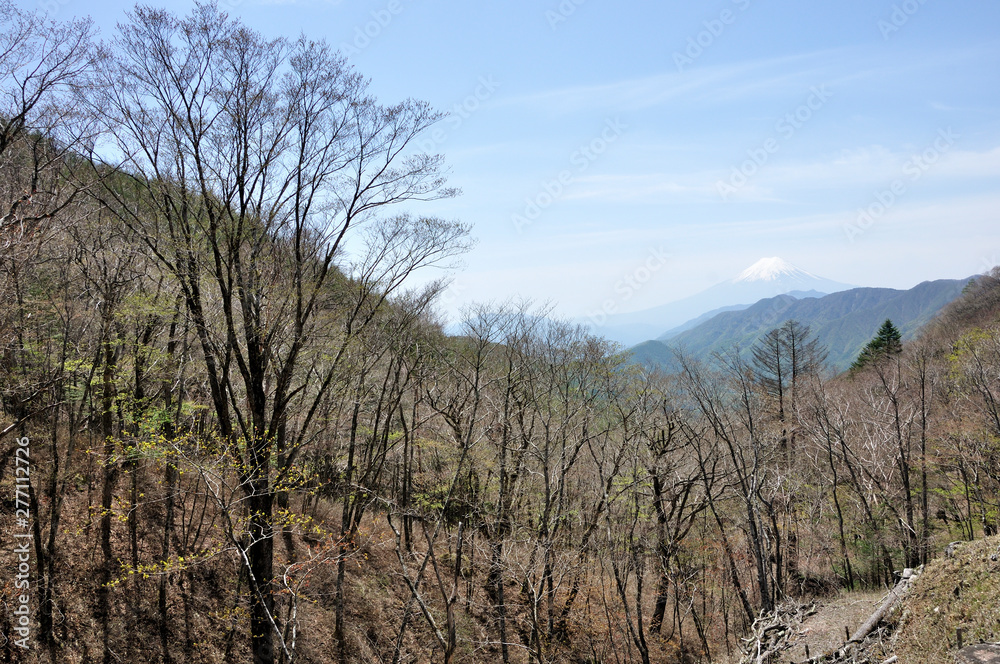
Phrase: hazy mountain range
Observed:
(766, 278)
(843, 322)
(737, 312)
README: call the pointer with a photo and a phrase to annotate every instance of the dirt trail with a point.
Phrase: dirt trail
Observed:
(824, 630)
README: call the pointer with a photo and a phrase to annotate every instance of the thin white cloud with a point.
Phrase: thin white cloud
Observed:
(742, 80)
(876, 166)
(637, 188)
(652, 91)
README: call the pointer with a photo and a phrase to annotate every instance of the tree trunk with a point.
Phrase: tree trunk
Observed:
(495, 584)
(261, 554)
(107, 496)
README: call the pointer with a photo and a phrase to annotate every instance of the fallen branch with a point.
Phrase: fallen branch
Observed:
(775, 632)
(891, 600)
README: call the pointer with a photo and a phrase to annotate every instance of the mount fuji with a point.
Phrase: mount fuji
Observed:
(766, 278)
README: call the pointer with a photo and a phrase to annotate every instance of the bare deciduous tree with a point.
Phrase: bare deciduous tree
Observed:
(250, 160)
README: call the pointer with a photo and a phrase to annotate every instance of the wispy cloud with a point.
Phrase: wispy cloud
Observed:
(638, 188)
(856, 170)
(732, 82)
(719, 82)
(872, 166)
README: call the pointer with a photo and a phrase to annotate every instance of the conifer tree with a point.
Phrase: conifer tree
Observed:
(887, 341)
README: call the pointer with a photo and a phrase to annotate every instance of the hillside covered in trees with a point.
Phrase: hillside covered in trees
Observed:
(843, 322)
(250, 440)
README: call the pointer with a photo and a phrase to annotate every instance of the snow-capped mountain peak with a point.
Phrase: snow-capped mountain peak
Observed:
(771, 269)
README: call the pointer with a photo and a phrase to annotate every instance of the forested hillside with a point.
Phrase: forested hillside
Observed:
(843, 322)
(249, 439)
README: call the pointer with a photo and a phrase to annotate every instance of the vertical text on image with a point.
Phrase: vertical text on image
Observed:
(22, 520)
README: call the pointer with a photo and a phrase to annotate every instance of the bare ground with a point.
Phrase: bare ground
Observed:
(825, 630)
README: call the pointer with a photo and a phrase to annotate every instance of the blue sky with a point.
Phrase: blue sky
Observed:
(677, 142)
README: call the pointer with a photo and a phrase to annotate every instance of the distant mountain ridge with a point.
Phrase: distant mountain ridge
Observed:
(766, 278)
(843, 322)
(798, 295)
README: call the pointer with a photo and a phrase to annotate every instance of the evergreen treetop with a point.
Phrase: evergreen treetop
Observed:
(887, 341)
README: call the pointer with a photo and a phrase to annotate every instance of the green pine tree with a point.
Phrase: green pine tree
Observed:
(888, 341)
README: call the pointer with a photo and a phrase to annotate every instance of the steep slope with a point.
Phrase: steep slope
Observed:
(956, 591)
(979, 306)
(843, 322)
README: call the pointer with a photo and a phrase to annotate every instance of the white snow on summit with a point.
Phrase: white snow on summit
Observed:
(771, 269)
